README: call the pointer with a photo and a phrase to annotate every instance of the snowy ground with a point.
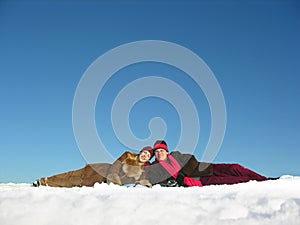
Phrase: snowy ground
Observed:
(270, 202)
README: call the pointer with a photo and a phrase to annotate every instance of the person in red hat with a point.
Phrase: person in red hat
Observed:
(169, 169)
(129, 168)
(176, 169)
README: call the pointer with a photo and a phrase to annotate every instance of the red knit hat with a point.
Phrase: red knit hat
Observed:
(149, 149)
(160, 144)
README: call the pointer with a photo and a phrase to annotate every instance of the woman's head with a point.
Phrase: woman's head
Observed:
(146, 154)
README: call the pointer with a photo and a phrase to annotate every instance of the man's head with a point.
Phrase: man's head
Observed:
(161, 150)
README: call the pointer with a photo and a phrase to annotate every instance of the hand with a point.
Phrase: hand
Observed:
(180, 179)
(145, 183)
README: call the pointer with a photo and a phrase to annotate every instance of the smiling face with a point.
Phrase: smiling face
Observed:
(161, 154)
(144, 156)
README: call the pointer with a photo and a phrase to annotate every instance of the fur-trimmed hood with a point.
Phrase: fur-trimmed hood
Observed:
(127, 170)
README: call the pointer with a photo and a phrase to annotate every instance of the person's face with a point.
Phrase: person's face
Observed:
(144, 156)
(161, 154)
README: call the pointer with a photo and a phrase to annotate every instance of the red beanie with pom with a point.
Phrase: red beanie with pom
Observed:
(162, 145)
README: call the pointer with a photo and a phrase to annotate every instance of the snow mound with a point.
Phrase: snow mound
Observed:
(269, 202)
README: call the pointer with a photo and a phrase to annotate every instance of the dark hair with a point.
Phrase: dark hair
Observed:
(160, 142)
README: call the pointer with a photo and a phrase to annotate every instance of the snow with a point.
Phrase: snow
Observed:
(269, 202)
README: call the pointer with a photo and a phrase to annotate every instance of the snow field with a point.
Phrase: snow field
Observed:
(269, 202)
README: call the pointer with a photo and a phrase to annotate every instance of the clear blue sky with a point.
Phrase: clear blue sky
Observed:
(46, 46)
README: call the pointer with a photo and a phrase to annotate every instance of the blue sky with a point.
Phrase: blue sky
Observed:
(46, 46)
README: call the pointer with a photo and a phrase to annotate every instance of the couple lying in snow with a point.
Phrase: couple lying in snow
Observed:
(168, 169)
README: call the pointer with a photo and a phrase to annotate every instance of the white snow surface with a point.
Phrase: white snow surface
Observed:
(268, 202)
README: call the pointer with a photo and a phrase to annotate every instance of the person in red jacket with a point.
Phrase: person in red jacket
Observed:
(176, 169)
